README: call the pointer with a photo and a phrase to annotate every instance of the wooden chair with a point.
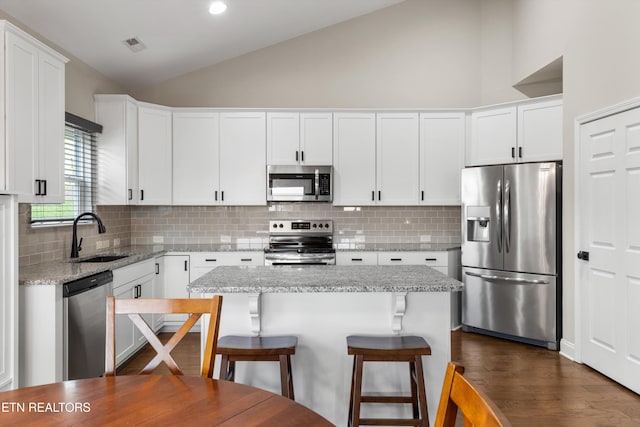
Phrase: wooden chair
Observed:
(236, 348)
(476, 408)
(388, 349)
(135, 307)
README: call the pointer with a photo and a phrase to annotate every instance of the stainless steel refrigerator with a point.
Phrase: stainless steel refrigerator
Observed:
(511, 252)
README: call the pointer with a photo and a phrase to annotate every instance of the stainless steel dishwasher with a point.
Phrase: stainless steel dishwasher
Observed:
(85, 316)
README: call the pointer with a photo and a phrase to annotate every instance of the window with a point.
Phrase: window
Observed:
(79, 175)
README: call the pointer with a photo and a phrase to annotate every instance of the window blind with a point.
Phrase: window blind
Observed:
(80, 167)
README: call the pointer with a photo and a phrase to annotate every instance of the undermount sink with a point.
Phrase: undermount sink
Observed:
(103, 258)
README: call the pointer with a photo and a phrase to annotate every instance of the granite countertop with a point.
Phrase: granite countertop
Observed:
(66, 270)
(327, 278)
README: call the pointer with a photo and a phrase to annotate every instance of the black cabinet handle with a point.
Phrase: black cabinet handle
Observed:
(513, 152)
(137, 293)
(44, 182)
(302, 156)
(379, 195)
(216, 195)
(422, 195)
(222, 196)
(245, 259)
(396, 259)
(38, 191)
(185, 265)
(130, 194)
(157, 268)
(373, 195)
(211, 260)
(141, 194)
(296, 155)
(520, 152)
(430, 259)
(356, 259)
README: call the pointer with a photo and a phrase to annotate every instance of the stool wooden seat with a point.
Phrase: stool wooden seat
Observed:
(388, 349)
(234, 348)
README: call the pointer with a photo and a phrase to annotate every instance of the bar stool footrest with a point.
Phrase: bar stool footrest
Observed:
(389, 422)
(385, 399)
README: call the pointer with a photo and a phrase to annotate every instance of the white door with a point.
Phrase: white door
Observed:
(493, 137)
(243, 167)
(540, 131)
(609, 280)
(154, 156)
(354, 161)
(283, 138)
(442, 137)
(51, 127)
(195, 158)
(316, 139)
(22, 118)
(397, 158)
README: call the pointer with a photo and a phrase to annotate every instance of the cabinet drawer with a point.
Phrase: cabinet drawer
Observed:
(429, 258)
(356, 258)
(132, 272)
(215, 259)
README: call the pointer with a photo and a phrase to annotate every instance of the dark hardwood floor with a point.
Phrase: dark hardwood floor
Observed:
(534, 387)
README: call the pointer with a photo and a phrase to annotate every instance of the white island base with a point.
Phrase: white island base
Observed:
(322, 321)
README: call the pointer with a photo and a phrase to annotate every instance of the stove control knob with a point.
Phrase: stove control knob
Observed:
(281, 225)
(275, 225)
(315, 225)
(326, 226)
(320, 225)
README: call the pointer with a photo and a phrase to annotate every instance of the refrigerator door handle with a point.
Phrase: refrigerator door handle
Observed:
(507, 220)
(498, 214)
(507, 279)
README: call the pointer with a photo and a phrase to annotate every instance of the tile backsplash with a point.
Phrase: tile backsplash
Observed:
(247, 225)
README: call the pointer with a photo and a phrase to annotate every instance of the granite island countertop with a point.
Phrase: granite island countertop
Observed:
(326, 278)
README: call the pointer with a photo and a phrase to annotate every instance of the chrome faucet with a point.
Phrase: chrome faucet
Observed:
(75, 247)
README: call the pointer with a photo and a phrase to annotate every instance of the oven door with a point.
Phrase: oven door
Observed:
(295, 258)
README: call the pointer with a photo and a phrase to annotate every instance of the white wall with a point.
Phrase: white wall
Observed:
(599, 42)
(420, 53)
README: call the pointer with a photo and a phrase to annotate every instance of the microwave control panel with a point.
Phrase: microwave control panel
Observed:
(325, 184)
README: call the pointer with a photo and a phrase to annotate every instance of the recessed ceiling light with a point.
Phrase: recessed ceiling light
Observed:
(217, 7)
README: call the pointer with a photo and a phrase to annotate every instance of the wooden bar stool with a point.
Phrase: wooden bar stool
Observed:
(388, 349)
(234, 348)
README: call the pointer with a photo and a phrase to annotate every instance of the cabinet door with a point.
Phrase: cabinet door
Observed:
(195, 158)
(125, 329)
(243, 167)
(356, 258)
(540, 131)
(493, 137)
(442, 138)
(174, 276)
(316, 139)
(283, 139)
(9, 295)
(21, 118)
(354, 149)
(398, 161)
(145, 290)
(51, 121)
(117, 150)
(154, 156)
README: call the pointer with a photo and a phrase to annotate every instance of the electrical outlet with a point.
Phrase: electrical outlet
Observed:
(116, 243)
(158, 239)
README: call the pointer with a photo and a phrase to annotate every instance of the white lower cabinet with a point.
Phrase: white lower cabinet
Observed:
(356, 258)
(133, 281)
(173, 278)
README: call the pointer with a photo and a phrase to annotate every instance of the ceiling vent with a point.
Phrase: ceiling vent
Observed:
(134, 44)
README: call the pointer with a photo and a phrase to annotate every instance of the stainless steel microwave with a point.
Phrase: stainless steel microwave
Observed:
(299, 183)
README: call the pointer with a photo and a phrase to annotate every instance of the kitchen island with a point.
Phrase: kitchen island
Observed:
(322, 305)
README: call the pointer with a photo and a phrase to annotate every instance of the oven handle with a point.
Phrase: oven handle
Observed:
(297, 256)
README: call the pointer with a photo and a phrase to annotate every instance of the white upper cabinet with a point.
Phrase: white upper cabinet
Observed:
(243, 167)
(397, 156)
(354, 160)
(196, 158)
(154, 154)
(442, 141)
(540, 131)
(117, 150)
(521, 132)
(33, 107)
(299, 138)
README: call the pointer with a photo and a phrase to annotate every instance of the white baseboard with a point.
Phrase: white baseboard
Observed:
(567, 349)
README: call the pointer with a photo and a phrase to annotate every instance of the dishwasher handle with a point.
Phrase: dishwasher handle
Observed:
(86, 283)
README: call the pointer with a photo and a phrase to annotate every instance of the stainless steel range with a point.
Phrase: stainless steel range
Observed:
(300, 242)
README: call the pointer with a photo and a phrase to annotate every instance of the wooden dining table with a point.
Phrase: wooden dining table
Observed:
(151, 400)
